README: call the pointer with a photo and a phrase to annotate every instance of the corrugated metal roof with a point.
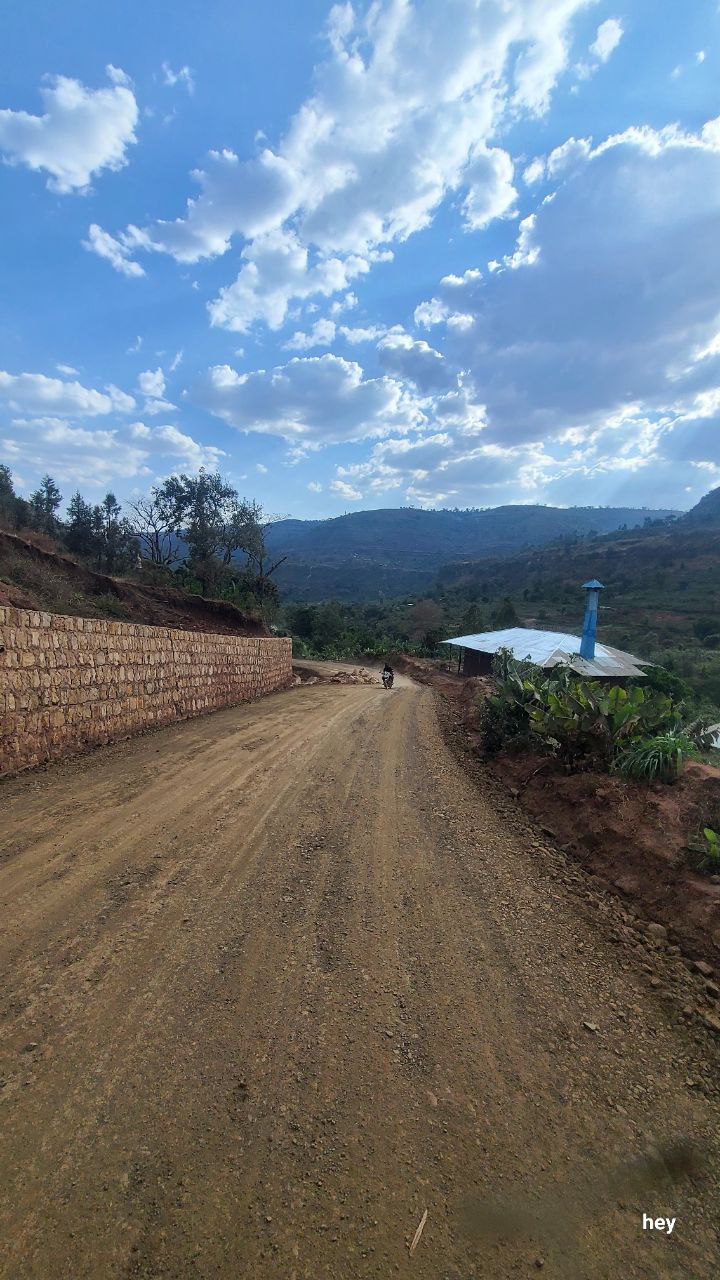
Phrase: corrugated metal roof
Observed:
(551, 648)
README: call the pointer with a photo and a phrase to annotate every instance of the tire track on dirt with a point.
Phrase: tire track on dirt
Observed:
(303, 981)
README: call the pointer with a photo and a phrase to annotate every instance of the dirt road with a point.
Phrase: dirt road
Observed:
(277, 981)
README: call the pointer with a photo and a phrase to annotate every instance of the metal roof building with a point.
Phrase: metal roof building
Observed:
(552, 648)
(548, 649)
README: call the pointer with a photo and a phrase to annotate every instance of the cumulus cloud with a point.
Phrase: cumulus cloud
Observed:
(312, 400)
(74, 455)
(404, 111)
(80, 133)
(154, 407)
(608, 36)
(431, 469)
(277, 269)
(322, 334)
(152, 382)
(315, 486)
(358, 334)
(177, 444)
(344, 490)
(611, 290)
(36, 393)
(415, 361)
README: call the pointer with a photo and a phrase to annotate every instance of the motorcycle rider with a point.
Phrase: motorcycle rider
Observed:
(388, 674)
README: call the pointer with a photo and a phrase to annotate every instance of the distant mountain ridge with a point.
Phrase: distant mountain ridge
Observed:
(371, 555)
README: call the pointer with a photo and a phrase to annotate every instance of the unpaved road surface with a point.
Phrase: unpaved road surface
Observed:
(277, 981)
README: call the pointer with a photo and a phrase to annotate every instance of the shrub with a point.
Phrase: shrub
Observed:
(639, 732)
(707, 851)
(658, 759)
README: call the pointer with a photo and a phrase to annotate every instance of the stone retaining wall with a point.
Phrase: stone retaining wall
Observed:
(67, 683)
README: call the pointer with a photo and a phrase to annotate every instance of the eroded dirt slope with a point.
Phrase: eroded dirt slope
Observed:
(277, 981)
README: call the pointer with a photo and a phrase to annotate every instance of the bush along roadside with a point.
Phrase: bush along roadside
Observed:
(641, 735)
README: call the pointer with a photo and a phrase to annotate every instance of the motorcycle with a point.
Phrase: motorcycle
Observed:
(387, 679)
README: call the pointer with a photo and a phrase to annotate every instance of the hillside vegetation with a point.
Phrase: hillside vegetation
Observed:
(662, 601)
(32, 577)
(373, 555)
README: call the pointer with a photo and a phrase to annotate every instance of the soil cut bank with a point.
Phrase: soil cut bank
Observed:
(279, 980)
(635, 836)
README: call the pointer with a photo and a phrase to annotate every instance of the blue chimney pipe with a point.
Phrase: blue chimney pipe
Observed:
(587, 644)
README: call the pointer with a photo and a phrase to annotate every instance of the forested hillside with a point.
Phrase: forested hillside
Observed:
(371, 555)
(662, 600)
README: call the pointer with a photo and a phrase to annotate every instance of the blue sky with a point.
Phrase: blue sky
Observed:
(408, 252)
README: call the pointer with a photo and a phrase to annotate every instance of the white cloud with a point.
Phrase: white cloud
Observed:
(402, 116)
(415, 361)
(81, 132)
(344, 490)
(311, 400)
(490, 190)
(358, 335)
(343, 304)
(75, 455)
(609, 34)
(322, 334)
(135, 346)
(182, 77)
(700, 55)
(277, 269)
(570, 155)
(114, 252)
(121, 402)
(534, 172)
(153, 407)
(97, 458)
(261, 469)
(611, 293)
(590, 354)
(176, 361)
(67, 370)
(430, 313)
(36, 393)
(152, 382)
(315, 486)
(183, 448)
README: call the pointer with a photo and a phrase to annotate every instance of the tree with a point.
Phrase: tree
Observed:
(241, 530)
(506, 616)
(216, 523)
(473, 620)
(9, 502)
(44, 503)
(152, 525)
(114, 534)
(80, 531)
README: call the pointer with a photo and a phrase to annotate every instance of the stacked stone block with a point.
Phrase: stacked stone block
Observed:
(67, 683)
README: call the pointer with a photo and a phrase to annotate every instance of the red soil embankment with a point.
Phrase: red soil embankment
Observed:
(32, 577)
(634, 836)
